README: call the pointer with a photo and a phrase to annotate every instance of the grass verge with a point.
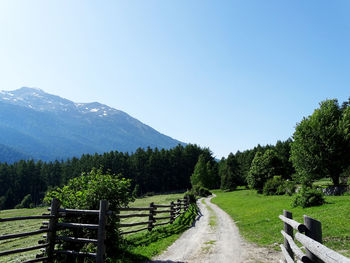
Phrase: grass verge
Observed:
(257, 217)
(145, 245)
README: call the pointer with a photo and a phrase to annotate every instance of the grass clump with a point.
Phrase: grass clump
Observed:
(212, 217)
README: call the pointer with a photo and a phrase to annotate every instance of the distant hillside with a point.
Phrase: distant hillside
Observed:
(47, 127)
(10, 155)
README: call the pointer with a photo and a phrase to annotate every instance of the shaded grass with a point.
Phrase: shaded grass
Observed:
(257, 217)
(145, 245)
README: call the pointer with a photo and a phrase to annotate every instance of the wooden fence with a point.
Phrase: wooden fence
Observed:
(173, 209)
(52, 227)
(311, 240)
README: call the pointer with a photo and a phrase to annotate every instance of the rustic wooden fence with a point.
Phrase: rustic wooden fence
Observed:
(311, 240)
(52, 227)
(173, 209)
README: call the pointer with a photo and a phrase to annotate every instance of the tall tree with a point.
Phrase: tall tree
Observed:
(322, 142)
(264, 166)
(229, 171)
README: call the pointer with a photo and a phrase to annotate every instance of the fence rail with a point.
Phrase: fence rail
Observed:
(175, 210)
(311, 240)
(52, 227)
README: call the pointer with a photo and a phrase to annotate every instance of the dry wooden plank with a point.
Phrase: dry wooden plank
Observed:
(37, 260)
(24, 218)
(133, 215)
(101, 234)
(176, 216)
(134, 231)
(296, 225)
(32, 233)
(286, 254)
(77, 225)
(20, 250)
(321, 251)
(78, 211)
(296, 250)
(75, 253)
(76, 239)
(51, 235)
(135, 209)
(135, 224)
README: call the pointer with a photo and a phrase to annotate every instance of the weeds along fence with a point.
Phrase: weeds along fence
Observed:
(99, 219)
(311, 240)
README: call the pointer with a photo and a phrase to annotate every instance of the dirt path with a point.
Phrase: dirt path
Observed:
(214, 238)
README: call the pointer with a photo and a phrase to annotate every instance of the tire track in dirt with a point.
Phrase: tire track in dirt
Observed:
(214, 237)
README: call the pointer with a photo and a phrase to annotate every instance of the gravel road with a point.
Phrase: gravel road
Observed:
(214, 238)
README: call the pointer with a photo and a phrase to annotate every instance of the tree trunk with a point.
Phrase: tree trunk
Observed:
(335, 179)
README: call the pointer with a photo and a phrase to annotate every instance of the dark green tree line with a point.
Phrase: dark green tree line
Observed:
(153, 170)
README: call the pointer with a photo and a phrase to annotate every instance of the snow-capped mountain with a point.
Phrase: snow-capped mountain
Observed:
(49, 127)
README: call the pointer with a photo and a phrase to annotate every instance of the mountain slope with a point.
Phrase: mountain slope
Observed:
(48, 127)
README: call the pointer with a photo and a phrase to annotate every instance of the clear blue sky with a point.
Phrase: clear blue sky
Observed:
(223, 74)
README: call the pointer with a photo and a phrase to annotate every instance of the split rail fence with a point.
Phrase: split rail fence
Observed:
(311, 240)
(52, 227)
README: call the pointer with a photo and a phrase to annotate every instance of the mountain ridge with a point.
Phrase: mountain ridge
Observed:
(48, 127)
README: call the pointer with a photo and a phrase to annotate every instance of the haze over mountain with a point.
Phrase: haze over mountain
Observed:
(35, 124)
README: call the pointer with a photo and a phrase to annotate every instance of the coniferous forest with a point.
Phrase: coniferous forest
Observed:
(151, 170)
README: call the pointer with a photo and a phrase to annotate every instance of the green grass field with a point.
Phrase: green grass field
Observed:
(19, 227)
(31, 225)
(257, 217)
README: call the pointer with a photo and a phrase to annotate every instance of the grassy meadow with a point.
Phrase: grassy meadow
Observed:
(165, 235)
(20, 227)
(257, 217)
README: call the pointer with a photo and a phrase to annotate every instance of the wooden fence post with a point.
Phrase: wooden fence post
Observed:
(314, 231)
(289, 230)
(101, 234)
(172, 212)
(51, 234)
(151, 217)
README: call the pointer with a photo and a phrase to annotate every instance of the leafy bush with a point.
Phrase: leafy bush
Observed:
(86, 191)
(289, 187)
(274, 186)
(190, 195)
(308, 196)
(201, 191)
(26, 202)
